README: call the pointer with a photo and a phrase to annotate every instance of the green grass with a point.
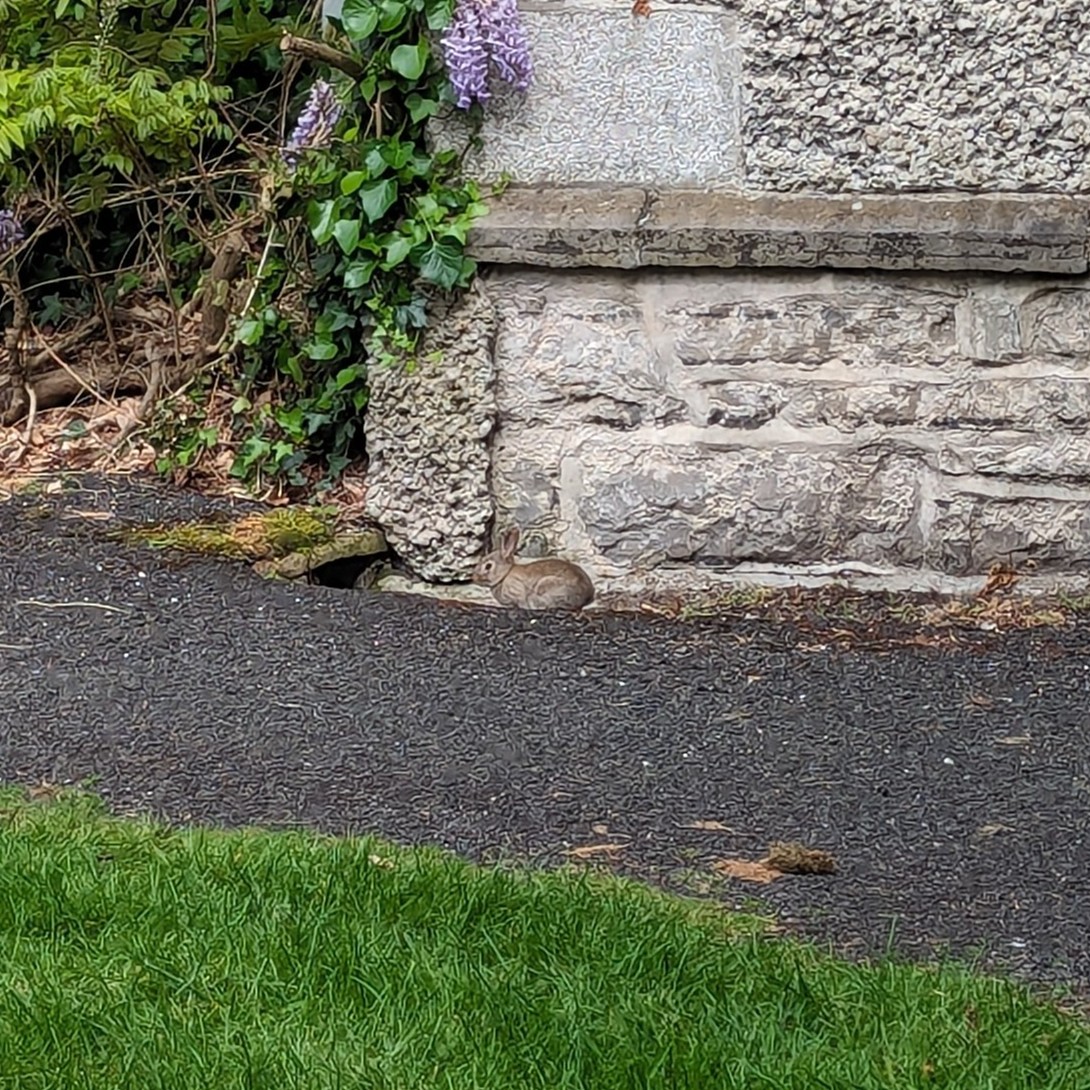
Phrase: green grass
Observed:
(133, 956)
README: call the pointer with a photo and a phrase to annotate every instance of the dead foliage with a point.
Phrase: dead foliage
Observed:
(791, 857)
(583, 852)
(838, 616)
(782, 858)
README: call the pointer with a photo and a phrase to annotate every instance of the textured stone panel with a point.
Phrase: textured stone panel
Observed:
(1057, 458)
(617, 99)
(740, 404)
(970, 533)
(1056, 322)
(645, 503)
(871, 327)
(1014, 404)
(427, 435)
(990, 328)
(579, 350)
(917, 94)
(848, 407)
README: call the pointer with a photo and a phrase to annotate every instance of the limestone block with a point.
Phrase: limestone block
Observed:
(848, 407)
(1063, 458)
(643, 503)
(989, 328)
(1056, 322)
(736, 403)
(971, 532)
(617, 99)
(872, 326)
(579, 351)
(1015, 404)
(427, 435)
(628, 227)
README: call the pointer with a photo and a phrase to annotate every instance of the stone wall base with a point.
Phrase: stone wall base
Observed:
(709, 422)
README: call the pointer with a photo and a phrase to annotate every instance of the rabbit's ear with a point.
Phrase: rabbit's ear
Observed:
(509, 543)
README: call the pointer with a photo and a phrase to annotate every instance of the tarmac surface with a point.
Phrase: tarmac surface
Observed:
(952, 784)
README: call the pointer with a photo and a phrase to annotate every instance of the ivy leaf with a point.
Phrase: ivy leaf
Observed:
(352, 181)
(359, 19)
(393, 14)
(409, 60)
(250, 331)
(397, 251)
(441, 263)
(321, 215)
(396, 153)
(439, 13)
(358, 273)
(322, 350)
(420, 107)
(347, 234)
(376, 199)
(375, 162)
(347, 375)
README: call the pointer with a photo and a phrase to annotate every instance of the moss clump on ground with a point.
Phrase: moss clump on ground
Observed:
(260, 536)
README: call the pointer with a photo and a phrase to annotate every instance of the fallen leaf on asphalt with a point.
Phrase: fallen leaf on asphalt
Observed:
(791, 857)
(999, 578)
(707, 826)
(600, 829)
(992, 828)
(980, 700)
(43, 791)
(1014, 740)
(746, 870)
(90, 515)
(590, 851)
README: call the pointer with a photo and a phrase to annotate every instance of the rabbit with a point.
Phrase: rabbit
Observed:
(533, 584)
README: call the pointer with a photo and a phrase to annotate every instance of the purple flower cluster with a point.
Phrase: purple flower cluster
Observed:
(484, 33)
(314, 129)
(11, 232)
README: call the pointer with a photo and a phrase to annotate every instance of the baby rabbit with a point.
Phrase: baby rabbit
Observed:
(533, 584)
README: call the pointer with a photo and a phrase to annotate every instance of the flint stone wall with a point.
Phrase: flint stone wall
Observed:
(781, 285)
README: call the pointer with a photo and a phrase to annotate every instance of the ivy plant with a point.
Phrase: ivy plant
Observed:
(387, 220)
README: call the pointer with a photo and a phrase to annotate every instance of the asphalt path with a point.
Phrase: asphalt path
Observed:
(952, 785)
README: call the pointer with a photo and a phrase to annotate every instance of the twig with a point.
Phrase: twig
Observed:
(69, 605)
(322, 53)
(69, 340)
(96, 288)
(32, 412)
(82, 383)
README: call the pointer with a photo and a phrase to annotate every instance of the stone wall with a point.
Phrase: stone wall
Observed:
(827, 95)
(782, 286)
(871, 422)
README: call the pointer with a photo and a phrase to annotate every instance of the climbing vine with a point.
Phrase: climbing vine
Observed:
(148, 139)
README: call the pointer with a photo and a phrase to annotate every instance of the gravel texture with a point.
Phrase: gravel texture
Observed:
(916, 94)
(953, 787)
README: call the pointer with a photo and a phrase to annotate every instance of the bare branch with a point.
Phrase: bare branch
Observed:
(322, 53)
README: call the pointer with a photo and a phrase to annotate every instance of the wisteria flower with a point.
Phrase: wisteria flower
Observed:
(11, 232)
(316, 123)
(486, 35)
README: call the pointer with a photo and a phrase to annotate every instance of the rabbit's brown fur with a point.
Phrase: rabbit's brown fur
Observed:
(533, 584)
